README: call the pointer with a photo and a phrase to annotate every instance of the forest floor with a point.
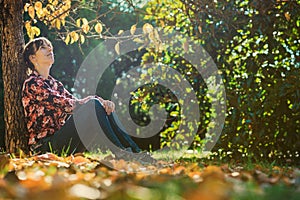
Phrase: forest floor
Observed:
(93, 176)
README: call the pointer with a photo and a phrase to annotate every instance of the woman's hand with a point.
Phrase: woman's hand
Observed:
(109, 106)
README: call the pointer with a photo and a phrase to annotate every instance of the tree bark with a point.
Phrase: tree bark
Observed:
(14, 73)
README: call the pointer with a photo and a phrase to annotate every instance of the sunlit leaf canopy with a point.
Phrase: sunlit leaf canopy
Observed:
(256, 45)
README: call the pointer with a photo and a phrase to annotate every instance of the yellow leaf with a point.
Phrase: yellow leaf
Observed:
(63, 22)
(29, 30)
(38, 6)
(55, 2)
(26, 7)
(30, 34)
(117, 48)
(147, 28)
(67, 40)
(151, 36)
(85, 21)
(36, 30)
(58, 24)
(200, 29)
(31, 12)
(78, 22)
(46, 11)
(120, 32)
(68, 2)
(162, 23)
(98, 28)
(40, 13)
(138, 40)
(51, 7)
(133, 29)
(27, 25)
(82, 39)
(85, 28)
(74, 37)
(287, 16)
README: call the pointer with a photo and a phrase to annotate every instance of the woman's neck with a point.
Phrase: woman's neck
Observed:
(43, 71)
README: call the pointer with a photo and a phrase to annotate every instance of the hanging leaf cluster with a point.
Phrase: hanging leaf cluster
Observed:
(62, 16)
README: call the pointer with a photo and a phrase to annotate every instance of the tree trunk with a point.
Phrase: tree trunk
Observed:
(14, 73)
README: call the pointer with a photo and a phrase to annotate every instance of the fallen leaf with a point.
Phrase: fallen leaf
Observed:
(79, 160)
(47, 156)
(213, 172)
(179, 170)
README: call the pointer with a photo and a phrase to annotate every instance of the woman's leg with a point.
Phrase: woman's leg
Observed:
(124, 138)
(111, 119)
(82, 132)
(122, 135)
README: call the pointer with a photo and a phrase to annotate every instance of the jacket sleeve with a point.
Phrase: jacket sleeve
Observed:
(37, 91)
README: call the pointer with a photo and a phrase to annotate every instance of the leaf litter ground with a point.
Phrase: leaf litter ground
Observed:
(80, 176)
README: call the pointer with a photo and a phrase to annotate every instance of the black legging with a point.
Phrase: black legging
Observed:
(82, 132)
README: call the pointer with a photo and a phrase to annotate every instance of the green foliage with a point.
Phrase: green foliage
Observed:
(256, 46)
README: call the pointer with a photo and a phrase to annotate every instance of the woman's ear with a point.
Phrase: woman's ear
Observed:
(32, 58)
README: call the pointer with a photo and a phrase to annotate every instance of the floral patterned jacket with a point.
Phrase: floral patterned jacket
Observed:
(47, 105)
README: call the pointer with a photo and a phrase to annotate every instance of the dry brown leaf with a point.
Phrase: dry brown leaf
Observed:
(210, 189)
(165, 171)
(79, 160)
(47, 156)
(179, 170)
(213, 172)
(287, 16)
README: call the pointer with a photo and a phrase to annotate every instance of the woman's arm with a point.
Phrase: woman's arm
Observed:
(108, 105)
(37, 92)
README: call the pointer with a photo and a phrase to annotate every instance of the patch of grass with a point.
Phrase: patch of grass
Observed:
(275, 192)
(185, 155)
(98, 154)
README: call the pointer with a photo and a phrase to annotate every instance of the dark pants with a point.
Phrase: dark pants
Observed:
(88, 129)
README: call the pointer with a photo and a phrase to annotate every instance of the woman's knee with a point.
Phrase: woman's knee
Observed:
(95, 105)
(98, 105)
(92, 103)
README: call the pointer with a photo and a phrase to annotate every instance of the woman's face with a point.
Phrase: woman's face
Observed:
(43, 56)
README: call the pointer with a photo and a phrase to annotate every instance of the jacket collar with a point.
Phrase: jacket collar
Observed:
(35, 73)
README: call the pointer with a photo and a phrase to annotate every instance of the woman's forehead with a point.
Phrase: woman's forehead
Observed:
(44, 43)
